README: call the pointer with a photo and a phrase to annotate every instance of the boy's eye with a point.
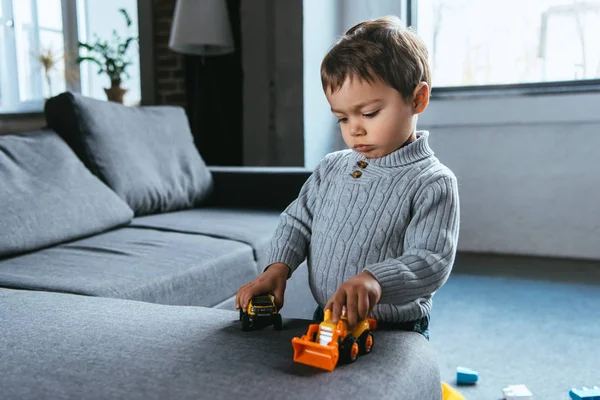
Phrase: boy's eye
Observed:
(371, 115)
(342, 120)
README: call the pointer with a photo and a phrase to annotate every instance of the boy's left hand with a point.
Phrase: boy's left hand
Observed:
(359, 294)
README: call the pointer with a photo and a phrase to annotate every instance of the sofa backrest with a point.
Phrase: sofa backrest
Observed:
(145, 154)
(48, 196)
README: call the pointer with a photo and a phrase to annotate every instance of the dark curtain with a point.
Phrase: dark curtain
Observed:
(214, 99)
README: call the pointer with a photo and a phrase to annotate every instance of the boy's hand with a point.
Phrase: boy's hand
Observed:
(273, 281)
(359, 294)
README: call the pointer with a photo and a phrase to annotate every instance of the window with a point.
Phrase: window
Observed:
(92, 17)
(478, 48)
(475, 42)
(32, 50)
(30, 35)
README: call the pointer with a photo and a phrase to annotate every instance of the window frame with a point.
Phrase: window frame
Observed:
(8, 69)
(525, 89)
(9, 85)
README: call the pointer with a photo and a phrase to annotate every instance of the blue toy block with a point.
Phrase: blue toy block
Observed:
(585, 393)
(466, 376)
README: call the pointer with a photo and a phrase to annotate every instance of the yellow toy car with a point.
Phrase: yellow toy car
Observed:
(261, 312)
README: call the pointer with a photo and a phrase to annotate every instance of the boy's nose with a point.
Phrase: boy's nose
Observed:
(357, 130)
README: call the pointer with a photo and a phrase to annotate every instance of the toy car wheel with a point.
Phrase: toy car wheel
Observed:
(245, 322)
(277, 324)
(365, 342)
(354, 350)
(241, 314)
(349, 350)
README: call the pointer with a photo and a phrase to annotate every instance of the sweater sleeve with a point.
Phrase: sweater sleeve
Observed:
(290, 242)
(430, 246)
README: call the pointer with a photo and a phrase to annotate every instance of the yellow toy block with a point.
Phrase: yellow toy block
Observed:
(449, 393)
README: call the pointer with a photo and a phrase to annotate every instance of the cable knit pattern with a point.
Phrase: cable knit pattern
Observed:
(397, 217)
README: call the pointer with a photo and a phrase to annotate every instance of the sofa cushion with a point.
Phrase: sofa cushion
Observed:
(47, 195)
(56, 345)
(253, 227)
(250, 226)
(138, 264)
(145, 154)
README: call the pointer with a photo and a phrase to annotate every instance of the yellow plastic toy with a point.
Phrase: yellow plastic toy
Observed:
(326, 343)
(261, 312)
(449, 393)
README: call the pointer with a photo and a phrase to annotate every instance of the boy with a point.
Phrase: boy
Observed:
(378, 222)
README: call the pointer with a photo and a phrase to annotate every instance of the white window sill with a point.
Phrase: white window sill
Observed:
(29, 107)
(512, 110)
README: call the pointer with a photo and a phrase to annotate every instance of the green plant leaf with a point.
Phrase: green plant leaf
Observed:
(110, 55)
(123, 47)
(126, 15)
(87, 58)
(85, 45)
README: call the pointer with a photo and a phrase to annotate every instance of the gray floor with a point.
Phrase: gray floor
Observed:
(519, 320)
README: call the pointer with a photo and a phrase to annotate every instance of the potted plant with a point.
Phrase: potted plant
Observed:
(49, 61)
(111, 58)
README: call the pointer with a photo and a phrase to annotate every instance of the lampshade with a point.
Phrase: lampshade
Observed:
(201, 27)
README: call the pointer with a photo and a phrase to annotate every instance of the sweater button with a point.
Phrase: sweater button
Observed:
(356, 174)
(362, 164)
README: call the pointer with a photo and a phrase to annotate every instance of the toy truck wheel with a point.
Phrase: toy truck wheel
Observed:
(245, 322)
(366, 342)
(277, 324)
(348, 350)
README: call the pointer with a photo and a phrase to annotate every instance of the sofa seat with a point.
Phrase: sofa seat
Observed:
(63, 346)
(139, 264)
(253, 227)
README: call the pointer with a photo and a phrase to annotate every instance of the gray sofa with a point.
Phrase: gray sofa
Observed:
(120, 256)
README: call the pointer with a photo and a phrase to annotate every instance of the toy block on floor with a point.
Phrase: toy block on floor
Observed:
(449, 393)
(516, 392)
(585, 393)
(466, 376)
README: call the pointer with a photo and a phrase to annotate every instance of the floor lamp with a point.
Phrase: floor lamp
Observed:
(201, 29)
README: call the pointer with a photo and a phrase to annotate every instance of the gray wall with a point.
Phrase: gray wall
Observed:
(273, 91)
(324, 23)
(528, 170)
(322, 27)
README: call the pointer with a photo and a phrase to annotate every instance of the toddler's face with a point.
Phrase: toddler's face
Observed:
(374, 118)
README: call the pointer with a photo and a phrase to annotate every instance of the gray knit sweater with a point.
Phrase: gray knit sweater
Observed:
(396, 216)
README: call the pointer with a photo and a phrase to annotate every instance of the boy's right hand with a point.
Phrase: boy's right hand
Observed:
(273, 281)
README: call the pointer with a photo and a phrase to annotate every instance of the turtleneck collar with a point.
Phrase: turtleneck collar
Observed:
(410, 153)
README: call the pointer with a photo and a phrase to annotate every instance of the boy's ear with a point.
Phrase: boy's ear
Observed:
(420, 97)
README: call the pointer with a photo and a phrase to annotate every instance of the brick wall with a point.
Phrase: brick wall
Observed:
(169, 69)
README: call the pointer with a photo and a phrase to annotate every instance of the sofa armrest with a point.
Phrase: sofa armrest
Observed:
(272, 188)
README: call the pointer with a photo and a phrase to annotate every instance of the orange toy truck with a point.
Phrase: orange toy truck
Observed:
(326, 343)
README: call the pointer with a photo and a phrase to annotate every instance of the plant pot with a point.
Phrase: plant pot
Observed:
(115, 92)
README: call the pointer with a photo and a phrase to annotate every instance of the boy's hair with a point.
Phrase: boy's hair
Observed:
(378, 49)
